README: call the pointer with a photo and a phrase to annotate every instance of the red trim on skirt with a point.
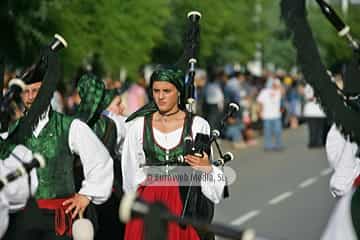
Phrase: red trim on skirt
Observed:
(169, 195)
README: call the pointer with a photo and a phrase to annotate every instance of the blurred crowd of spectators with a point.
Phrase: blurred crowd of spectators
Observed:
(268, 103)
(215, 89)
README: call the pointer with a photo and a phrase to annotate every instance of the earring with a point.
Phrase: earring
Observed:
(179, 99)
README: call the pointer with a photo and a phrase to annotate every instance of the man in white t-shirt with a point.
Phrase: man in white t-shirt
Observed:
(270, 112)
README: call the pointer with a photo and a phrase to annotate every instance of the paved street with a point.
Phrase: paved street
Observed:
(282, 195)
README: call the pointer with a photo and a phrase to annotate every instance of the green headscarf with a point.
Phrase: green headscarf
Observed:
(171, 75)
(94, 97)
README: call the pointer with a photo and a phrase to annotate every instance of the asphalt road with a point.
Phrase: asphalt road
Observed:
(282, 195)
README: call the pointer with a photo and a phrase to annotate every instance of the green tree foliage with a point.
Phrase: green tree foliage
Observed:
(276, 45)
(25, 26)
(127, 34)
(121, 32)
(226, 32)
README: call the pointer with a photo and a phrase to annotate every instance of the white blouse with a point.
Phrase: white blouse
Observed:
(96, 160)
(341, 154)
(133, 156)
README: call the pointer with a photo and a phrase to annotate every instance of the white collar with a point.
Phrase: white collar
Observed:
(44, 119)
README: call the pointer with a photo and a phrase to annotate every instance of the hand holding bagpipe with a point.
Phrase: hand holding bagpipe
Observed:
(203, 142)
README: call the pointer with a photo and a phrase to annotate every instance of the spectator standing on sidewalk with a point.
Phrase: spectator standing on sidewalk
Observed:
(315, 118)
(269, 100)
(213, 104)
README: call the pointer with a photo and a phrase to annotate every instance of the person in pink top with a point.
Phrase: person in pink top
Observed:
(136, 96)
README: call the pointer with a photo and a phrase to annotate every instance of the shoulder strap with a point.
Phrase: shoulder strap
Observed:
(109, 130)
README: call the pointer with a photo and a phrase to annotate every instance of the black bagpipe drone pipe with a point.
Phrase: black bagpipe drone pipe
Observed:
(342, 29)
(351, 71)
(37, 161)
(37, 69)
(336, 104)
(191, 48)
(202, 142)
(215, 133)
(47, 70)
(17, 85)
(156, 216)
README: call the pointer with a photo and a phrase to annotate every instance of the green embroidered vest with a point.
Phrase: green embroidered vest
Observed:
(56, 179)
(153, 151)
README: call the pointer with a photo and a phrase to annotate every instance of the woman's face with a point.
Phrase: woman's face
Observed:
(165, 96)
(116, 106)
